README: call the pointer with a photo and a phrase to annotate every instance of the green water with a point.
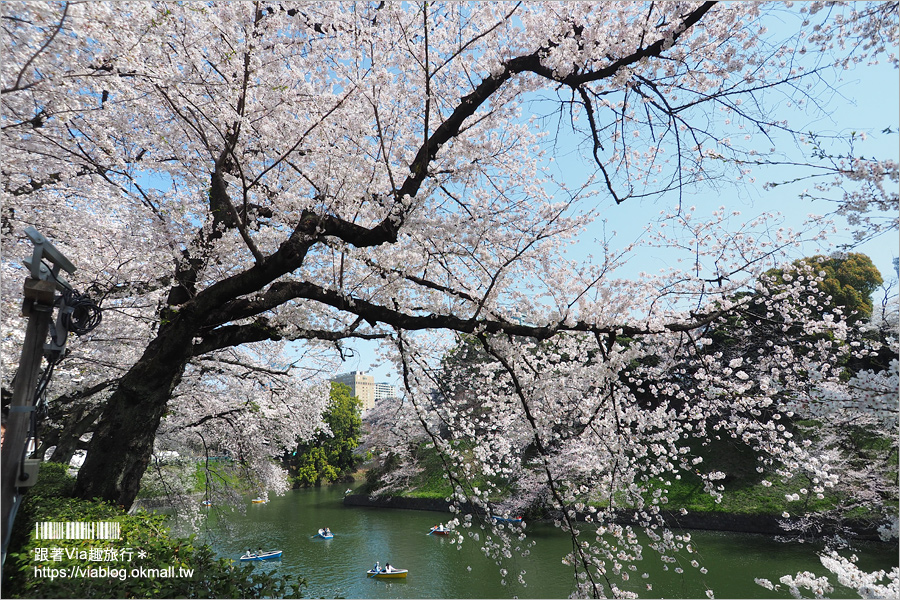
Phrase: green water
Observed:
(437, 569)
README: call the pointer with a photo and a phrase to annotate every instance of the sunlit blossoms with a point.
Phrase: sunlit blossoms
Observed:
(248, 187)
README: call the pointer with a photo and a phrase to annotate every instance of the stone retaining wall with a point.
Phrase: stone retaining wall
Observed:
(764, 524)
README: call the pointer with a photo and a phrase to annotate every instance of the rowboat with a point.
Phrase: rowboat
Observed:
(258, 501)
(439, 530)
(506, 519)
(270, 555)
(325, 535)
(392, 574)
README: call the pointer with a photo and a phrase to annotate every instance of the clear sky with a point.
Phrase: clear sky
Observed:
(868, 100)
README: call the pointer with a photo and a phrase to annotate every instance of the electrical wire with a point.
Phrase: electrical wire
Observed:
(80, 315)
(85, 315)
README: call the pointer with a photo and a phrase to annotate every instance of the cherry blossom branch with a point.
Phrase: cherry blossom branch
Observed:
(16, 86)
(283, 292)
(542, 452)
(262, 330)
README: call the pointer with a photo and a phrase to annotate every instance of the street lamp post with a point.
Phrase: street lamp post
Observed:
(16, 472)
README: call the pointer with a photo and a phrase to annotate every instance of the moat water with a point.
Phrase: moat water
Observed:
(337, 568)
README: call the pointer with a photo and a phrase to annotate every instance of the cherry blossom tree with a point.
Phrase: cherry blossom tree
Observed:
(597, 428)
(861, 189)
(878, 584)
(231, 177)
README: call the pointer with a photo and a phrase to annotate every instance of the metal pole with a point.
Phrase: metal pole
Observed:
(38, 307)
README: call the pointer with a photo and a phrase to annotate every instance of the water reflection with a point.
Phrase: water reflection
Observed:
(439, 569)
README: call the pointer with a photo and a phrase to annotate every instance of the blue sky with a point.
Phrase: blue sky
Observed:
(867, 100)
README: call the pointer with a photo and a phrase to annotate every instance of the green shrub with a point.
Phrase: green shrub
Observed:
(145, 562)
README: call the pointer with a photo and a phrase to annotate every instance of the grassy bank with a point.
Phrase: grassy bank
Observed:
(59, 568)
(746, 491)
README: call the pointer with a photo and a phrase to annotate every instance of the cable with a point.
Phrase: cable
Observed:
(85, 314)
(78, 314)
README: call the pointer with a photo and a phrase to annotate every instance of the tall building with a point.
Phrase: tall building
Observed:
(383, 391)
(361, 385)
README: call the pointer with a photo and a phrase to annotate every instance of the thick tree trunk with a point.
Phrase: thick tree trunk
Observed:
(122, 444)
(67, 440)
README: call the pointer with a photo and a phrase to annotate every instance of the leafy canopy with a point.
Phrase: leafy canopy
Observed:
(849, 280)
(330, 453)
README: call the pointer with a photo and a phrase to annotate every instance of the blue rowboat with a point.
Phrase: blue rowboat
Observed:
(506, 519)
(325, 535)
(270, 555)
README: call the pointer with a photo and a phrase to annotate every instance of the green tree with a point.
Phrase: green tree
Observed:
(329, 455)
(849, 279)
(842, 281)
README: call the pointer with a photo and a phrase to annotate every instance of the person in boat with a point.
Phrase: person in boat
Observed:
(327, 531)
(388, 568)
(377, 567)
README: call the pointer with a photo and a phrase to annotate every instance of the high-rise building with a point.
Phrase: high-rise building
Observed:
(383, 391)
(361, 385)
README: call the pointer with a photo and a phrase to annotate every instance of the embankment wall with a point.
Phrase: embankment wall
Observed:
(764, 524)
